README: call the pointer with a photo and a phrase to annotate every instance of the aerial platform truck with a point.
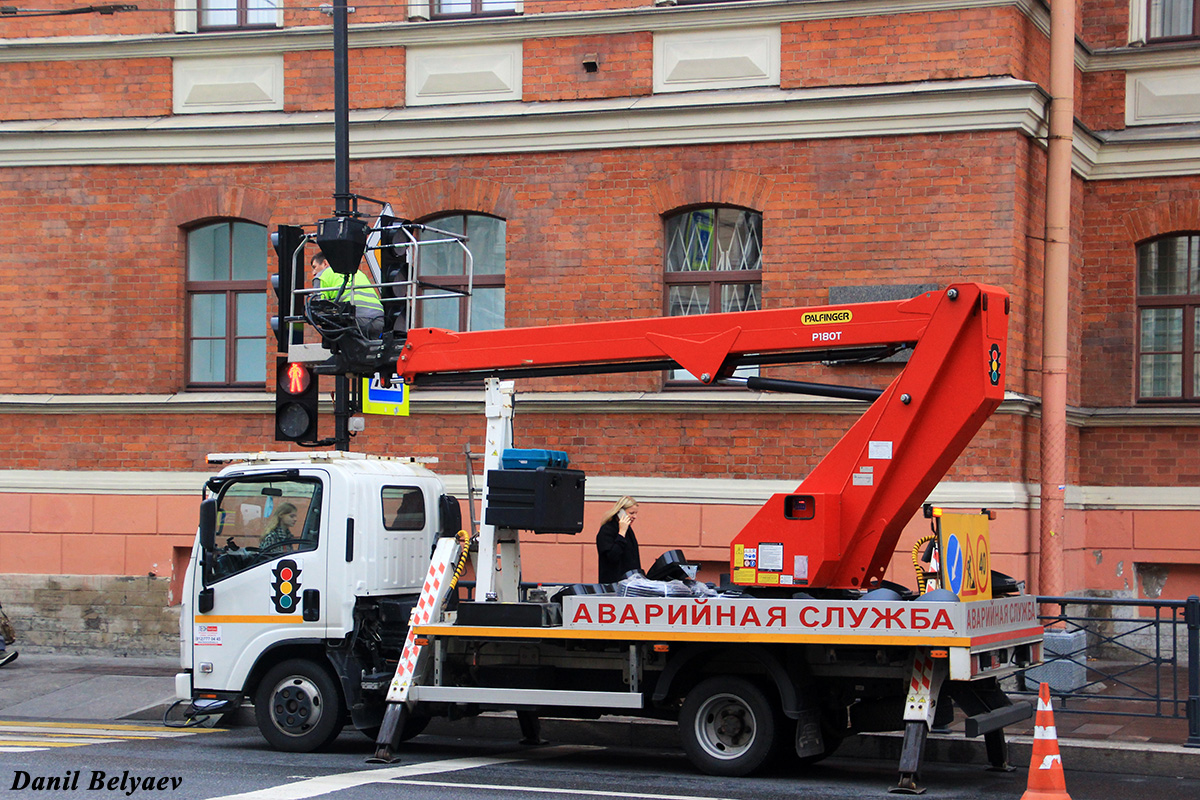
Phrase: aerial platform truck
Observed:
(807, 645)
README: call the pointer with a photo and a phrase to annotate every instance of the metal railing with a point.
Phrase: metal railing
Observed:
(1115, 657)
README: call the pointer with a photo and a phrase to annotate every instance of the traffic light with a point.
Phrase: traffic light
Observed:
(285, 586)
(287, 240)
(393, 268)
(295, 402)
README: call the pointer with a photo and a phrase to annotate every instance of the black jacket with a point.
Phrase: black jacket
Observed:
(618, 554)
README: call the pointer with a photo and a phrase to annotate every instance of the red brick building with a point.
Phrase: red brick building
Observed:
(608, 159)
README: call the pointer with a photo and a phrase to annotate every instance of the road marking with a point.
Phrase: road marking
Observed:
(20, 736)
(492, 787)
(315, 787)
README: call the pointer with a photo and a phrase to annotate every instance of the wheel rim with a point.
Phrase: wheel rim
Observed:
(296, 705)
(726, 727)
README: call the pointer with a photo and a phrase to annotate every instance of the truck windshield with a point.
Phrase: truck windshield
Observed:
(261, 520)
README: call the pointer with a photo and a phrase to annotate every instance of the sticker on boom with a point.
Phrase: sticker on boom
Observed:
(826, 317)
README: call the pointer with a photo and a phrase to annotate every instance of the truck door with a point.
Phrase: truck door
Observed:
(400, 546)
(266, 579)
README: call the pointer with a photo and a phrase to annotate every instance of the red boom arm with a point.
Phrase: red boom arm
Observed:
(839, 528)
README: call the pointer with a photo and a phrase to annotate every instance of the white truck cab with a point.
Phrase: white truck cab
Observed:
(300, 586)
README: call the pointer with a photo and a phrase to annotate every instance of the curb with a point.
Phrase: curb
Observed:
(1124, 758)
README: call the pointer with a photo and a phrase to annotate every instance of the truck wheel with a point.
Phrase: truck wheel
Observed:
(298, 707)
(727, 726)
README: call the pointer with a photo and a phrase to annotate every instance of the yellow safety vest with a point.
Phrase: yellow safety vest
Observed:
(360, 292)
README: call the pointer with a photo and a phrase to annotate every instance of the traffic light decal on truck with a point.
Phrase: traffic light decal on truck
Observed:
(286, 586)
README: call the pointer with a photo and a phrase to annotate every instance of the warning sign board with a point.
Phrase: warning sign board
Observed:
(966, 555)
(379, 399)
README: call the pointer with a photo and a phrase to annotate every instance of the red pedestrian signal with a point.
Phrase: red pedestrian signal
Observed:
(296, 378)
(295, 402)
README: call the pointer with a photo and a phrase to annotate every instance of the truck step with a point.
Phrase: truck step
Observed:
(525, 697)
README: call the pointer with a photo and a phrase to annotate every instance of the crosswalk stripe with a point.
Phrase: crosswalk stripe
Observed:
(22, 736)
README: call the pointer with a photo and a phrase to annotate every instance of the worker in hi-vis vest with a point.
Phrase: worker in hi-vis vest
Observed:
(368, 310)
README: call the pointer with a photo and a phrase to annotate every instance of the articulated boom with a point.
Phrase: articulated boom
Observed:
(839, 528)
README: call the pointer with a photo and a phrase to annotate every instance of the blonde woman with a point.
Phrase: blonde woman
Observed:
(616, 543)
(279, 528)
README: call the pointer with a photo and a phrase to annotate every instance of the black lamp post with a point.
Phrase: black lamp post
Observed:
(343, 238)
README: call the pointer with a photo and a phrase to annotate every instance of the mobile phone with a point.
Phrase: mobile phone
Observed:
(622, 515)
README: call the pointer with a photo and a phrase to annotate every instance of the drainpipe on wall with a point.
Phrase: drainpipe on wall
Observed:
(1055, 302)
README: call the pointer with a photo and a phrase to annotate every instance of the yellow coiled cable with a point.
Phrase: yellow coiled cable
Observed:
(916, 560)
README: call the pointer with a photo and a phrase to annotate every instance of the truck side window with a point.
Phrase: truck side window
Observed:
(403, 508)
(262, 519)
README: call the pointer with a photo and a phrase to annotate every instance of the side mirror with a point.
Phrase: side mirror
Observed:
(208, 525)
(451, 514)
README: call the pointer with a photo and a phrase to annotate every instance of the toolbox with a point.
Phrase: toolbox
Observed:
(516, 458)
(542, 500)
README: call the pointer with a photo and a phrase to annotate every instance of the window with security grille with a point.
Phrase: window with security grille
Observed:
(227, 305)
(1168, 325)
(226, 14)
(713, 264)
(1173, 19)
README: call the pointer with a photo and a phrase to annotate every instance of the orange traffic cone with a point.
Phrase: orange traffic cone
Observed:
(1046, 780)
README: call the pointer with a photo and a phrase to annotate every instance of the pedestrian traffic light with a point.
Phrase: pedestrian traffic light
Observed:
(288, 242)
(295, 402)
(394, 268)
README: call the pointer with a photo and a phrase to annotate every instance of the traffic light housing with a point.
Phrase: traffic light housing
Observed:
(393, 268)
(296, 399)
(287, 240)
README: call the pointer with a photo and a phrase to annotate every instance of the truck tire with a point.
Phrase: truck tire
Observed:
(727, 726)
(298, 707)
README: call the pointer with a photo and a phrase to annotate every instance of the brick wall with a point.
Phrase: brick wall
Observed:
(552, 68)
(152, 16)
(1101, 106)
(584, 235)
(1104, 23)
(1118, 215)
(937, 45)
(135, 87)
(1163, 456)
(376, 76)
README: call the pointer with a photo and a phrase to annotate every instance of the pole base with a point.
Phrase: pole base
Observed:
(907, 785)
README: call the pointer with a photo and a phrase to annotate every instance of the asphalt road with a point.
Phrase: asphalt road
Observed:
(64, 759)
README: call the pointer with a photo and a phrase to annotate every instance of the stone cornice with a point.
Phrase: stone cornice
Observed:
(673, 119)
(606, 488)
(470, 402)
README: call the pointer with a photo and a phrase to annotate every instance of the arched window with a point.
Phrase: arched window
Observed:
(713, 264)
(445, 265)
(227, 305)
(1168, 329)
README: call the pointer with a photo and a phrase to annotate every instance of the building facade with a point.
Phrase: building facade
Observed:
(608, 160)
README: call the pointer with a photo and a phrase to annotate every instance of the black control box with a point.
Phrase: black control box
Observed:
(542, 500)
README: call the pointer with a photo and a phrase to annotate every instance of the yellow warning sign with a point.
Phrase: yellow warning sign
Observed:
(965, 548)
(745, 575)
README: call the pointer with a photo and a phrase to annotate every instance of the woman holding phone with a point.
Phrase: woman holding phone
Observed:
(616, 543)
